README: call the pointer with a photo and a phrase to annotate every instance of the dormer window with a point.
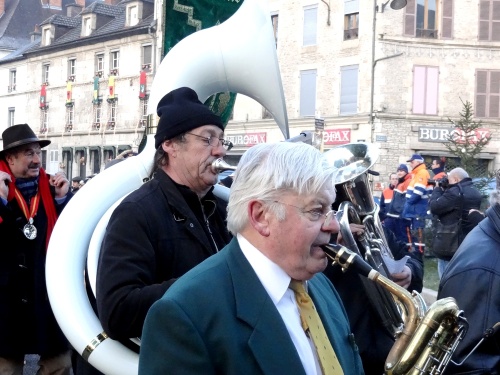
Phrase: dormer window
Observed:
(87, 25)
(132, 15)
(46, 35)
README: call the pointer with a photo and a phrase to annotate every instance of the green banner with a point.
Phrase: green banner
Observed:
(184, 17)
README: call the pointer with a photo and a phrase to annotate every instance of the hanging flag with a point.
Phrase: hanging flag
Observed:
(96, 90)
(142, 85)
(111, 85)
(69, 94)
(43, 97)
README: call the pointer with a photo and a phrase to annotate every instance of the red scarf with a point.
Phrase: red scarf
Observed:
(45, 195)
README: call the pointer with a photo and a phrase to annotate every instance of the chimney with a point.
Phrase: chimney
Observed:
(2, 7)
(81, 3)
(35, 33)
(73, 10)
(112, 2)
(55, 4)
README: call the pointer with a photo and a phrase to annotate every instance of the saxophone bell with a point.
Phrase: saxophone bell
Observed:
(428, 337)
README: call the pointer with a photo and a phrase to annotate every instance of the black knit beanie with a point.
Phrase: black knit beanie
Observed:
(180, 111)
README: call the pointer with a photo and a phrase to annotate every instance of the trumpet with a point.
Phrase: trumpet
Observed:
(429, 336)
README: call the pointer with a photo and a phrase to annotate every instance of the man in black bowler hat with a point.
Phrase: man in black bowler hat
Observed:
(170, 224)
(30, 202)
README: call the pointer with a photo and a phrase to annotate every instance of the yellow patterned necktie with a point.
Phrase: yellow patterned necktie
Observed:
(311, 323)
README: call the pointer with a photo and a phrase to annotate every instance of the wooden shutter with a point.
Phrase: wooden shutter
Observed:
(349, 89)
(494, 100)
(431, 91)
(307, 93)
(481, 92)
(484, 20)
(495, 21)
(419, 82)
(410, 18)
(310, 26)
(447, 20)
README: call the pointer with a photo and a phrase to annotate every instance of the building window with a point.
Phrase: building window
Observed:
(274, 21)
(147, 56)
(144, 114)
(99, 64)
(45, 73)
(12, 80)
(310, 26)
(307, 92)
(10, 120)
(489, 20)
(421, 18)
(71, 68)
(115, 60)
(97, 118)
(112, 115)
(351, 26)
(70, 116)
(488, 93)
(132, 16)
(44, 125)
(349, 89)
(87, 26)
(46, 36)
(425, 90)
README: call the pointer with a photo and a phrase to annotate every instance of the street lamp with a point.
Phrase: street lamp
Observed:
(396, 5)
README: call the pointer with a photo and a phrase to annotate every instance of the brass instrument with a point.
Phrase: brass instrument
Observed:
(355, 204)
(429, 336)
(220, 165)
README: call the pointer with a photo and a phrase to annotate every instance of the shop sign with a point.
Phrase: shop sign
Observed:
(246, 139)
(441, 135)
(337, 136)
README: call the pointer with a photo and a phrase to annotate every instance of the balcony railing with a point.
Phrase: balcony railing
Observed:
(110, 125)
(11, 88)
(350, 34)
(426, 33)
(68, 127)
(96, 126)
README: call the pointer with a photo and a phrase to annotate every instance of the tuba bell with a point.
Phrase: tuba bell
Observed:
(355, 205)
(243, 59)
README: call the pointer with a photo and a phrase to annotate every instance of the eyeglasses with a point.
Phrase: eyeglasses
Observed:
(314, 214)
(31, 153)
(215, 142)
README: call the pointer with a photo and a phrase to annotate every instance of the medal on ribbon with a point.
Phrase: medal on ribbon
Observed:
(29, 230)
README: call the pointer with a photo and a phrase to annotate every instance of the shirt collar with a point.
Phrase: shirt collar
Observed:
(273, 278)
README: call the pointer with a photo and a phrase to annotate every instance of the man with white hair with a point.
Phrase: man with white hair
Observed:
(452, 202)
(242, 311)
(473, 279)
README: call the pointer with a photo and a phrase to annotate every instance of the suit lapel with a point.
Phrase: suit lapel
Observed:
(269, 340)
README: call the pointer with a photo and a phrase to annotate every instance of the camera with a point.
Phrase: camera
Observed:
(442, 182)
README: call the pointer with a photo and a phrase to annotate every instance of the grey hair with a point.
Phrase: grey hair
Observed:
(268, 170)
(458, 173)
(494, 197)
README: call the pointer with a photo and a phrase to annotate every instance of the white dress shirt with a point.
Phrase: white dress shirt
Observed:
(276, 283)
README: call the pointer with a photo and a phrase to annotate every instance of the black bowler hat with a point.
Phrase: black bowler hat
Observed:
(181, 111)
(18, 135)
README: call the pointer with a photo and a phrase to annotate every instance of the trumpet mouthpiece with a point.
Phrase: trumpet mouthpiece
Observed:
(219, 165)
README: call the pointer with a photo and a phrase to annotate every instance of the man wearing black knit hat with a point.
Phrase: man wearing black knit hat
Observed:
(170, 224)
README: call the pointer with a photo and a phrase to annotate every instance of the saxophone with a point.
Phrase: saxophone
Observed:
(429, 335)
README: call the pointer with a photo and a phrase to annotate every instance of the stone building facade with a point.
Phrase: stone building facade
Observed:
(371, 73)
(427, 58)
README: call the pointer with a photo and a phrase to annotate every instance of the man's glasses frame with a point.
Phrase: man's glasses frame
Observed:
(215, 142)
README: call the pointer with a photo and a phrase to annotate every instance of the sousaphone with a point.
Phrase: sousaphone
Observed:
(238, 56)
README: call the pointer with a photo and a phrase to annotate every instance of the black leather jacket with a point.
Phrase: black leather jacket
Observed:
(473, 279)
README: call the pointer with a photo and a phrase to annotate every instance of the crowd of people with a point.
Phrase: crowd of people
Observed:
(244, 286)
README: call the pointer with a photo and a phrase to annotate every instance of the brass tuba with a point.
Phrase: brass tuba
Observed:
(429, 336)
(355, 204)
